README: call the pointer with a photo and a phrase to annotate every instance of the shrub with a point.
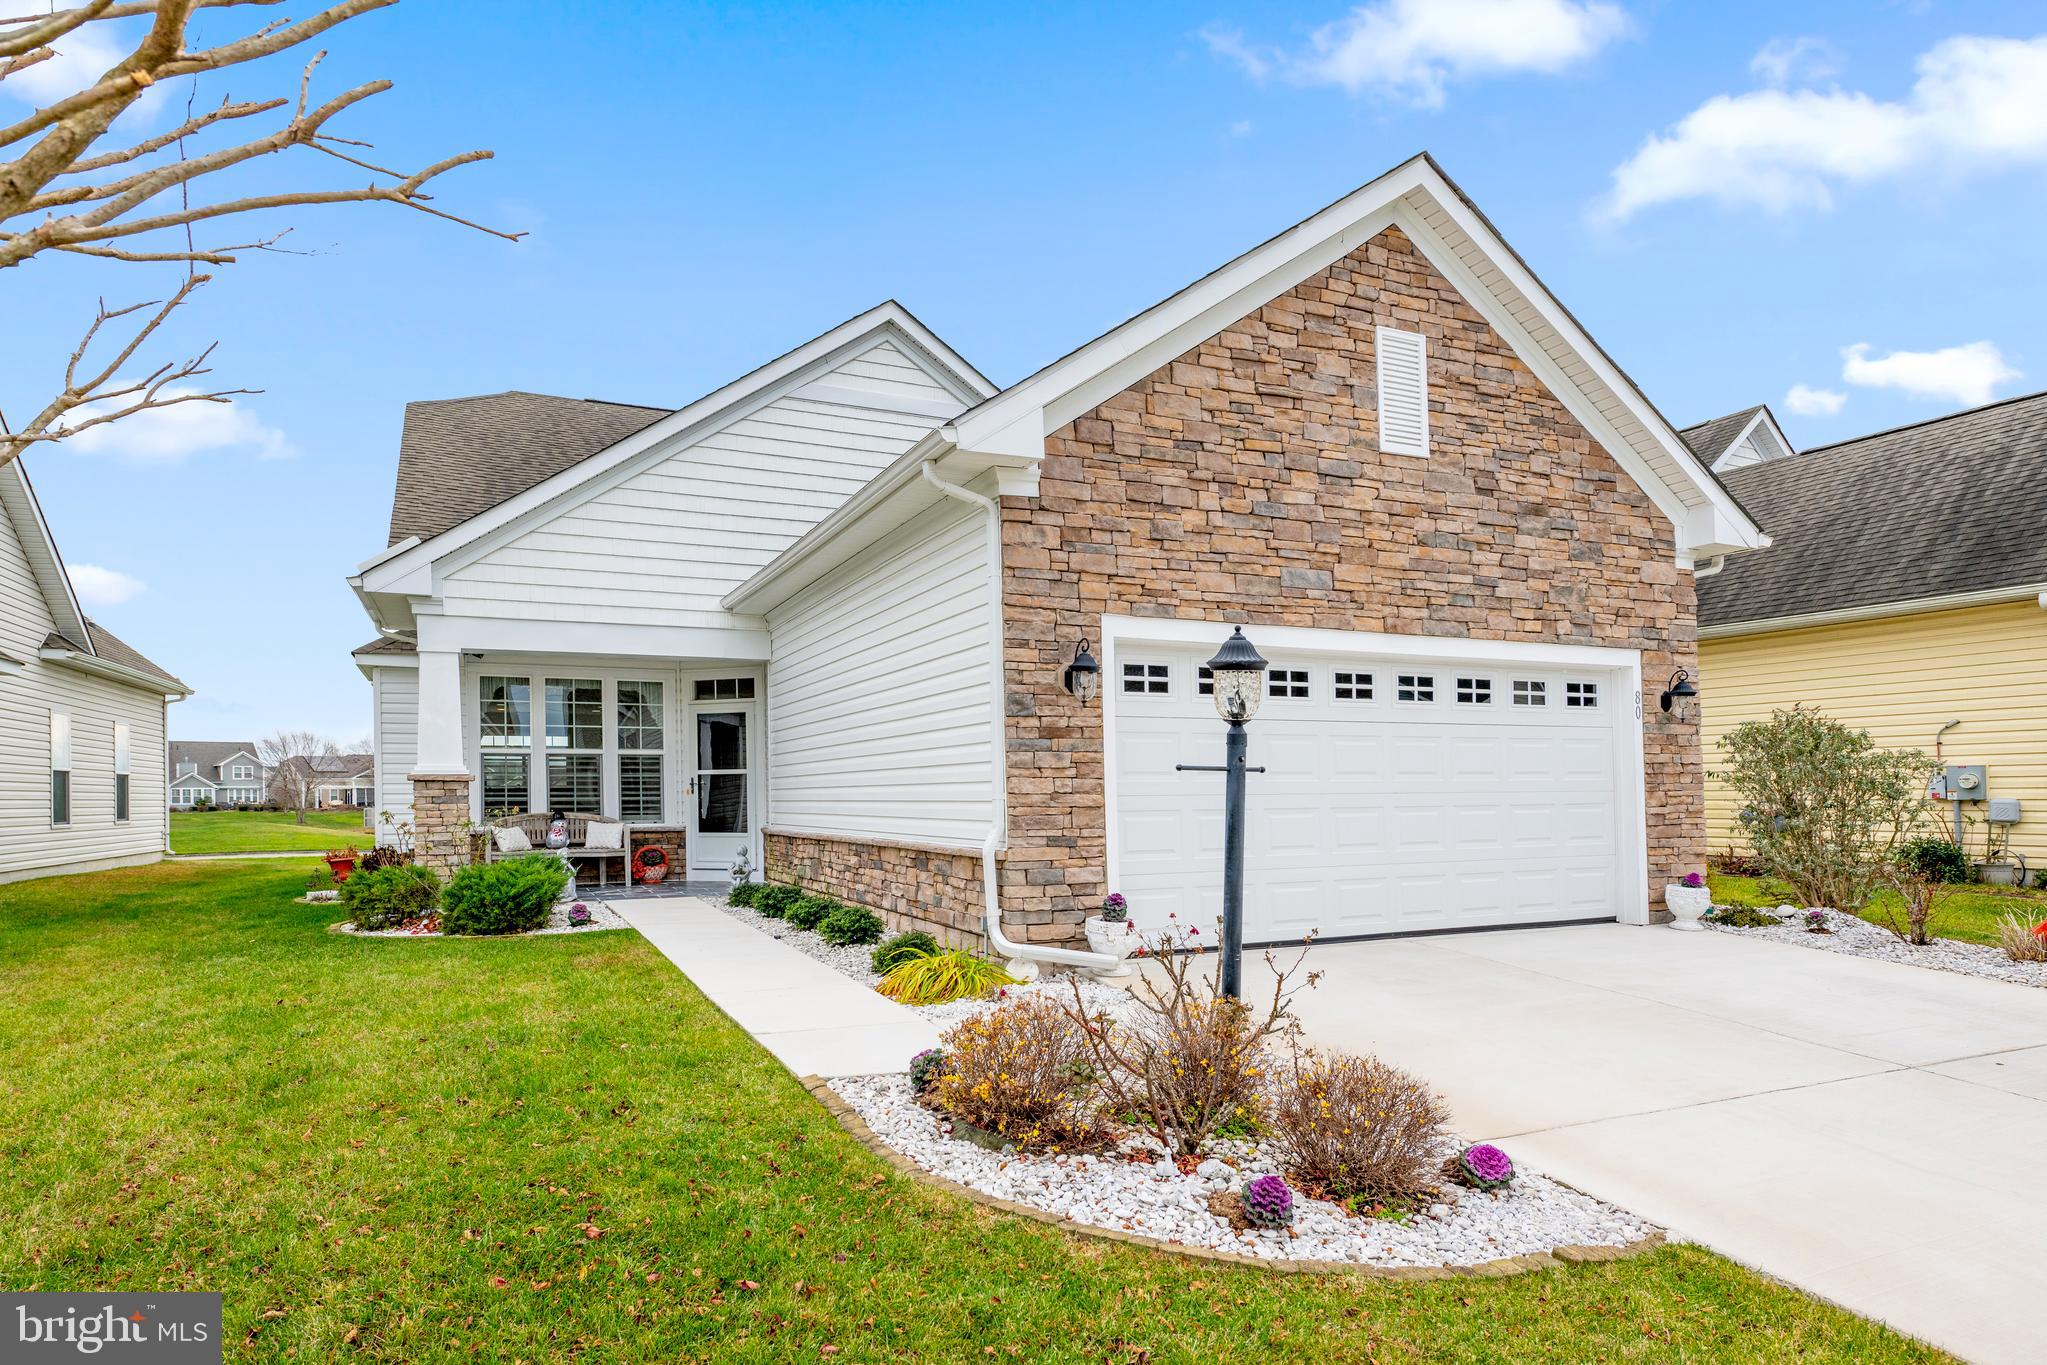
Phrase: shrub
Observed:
(934, 980)
(850, 924)
(386, 897)
(1742, 917)
(746, 895)
(1268, 1203)
(1013, 1072)
(903, 948)
(1354, 1126)
(383, 855)
(775, 899)
(1823, 806)
(2021, 939)
(1936, 857)
(1189, 1059)
(810, 911)
(925, 1068)
(1920, 897)
(511, 897)
(1483, 1167)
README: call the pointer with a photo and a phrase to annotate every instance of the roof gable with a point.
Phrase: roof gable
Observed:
(1941, 509)
(1458, 240)
(1748, 437)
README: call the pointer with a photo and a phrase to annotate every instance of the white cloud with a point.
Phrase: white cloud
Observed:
(1967, 374)
(1412, 49)
(172, 435)
(1784, 60)
(1811, 402)
(1977, 104)
(98, 587)
(83, 56)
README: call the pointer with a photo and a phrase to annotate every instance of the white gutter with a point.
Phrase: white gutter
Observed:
(1024, 955)
(121, 673)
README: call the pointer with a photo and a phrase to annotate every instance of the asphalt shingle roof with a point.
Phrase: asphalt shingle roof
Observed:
(110, 647)
(1951, 505)
(206, 754)
(1709, 440)
(388, 644)
(462, 456)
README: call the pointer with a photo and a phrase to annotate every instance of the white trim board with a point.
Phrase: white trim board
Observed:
(1622, 666)
(1988, 597)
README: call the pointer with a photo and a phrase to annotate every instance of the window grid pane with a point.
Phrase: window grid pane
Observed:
(1530, 692)
(1581, 694)
(505, 707)
(575, 713)
(639, 717)
(1204, 681)
(724, 689)
(1416, 687)
(572, 783)
(505, 786)
(1353, 686)
(1148, 679)
(1286, 682)
(639, 787)
(1475, 691)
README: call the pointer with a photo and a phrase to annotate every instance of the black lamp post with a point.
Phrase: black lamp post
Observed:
(1238, 672)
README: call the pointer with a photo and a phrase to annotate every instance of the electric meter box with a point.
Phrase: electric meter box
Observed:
(2004, 810)
(1962, 782)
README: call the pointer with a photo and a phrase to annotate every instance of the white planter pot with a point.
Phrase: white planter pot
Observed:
(1116, 938)
(1687, 904)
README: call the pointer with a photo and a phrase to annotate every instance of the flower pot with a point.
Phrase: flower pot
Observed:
(340, 867)
(1686, 904)
(1112, 938)
(1998, 873)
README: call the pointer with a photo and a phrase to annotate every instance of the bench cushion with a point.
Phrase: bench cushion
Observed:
(511, 839)
(602, 834)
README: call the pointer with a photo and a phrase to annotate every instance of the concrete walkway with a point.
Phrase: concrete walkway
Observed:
(816, 1021)
(1871, 1132)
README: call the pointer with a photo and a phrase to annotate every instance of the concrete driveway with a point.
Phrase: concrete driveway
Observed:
(1871, 1132)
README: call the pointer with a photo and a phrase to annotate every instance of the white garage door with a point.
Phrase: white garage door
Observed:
(1397, 797)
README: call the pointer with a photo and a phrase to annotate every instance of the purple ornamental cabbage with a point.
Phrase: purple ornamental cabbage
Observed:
(579, 915)
(1486, 1167)
(1693, 880)
(1268, 1203)
(1114, 907)
(924, 1069)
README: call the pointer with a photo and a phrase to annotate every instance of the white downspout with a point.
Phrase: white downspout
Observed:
(1023, 957)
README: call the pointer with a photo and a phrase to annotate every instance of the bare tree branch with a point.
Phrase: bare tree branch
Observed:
(16, 41)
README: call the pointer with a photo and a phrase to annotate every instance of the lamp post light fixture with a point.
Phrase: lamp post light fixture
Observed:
(1678, 693)
(1238, 679)
(1083, 677)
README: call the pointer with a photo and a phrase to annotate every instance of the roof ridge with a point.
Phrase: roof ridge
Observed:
(1925, 421)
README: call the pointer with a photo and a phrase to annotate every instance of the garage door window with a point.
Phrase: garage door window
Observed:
(1147, 679)
(1475, 691)
(1353, 687)
(1286, 682)
(1581, 694)
(1204, 681)
(1416, 687)
(1530, 692)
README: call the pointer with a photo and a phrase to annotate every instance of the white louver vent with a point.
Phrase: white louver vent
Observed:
(1403, 393)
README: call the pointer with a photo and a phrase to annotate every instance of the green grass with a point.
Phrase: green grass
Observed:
(265, 831)
(1970, 913)
(556, 1149)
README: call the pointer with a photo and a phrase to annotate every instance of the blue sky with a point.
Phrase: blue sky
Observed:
(1736, 199)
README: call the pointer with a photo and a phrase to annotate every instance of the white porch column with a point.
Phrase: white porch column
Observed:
(440, 715)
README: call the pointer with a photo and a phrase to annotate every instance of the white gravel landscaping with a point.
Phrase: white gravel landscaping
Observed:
(853, 961)
(602, 916)
(1859, 938)
(1466, 1227)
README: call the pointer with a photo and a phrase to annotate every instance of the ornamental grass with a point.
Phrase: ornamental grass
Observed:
(1021, 1072)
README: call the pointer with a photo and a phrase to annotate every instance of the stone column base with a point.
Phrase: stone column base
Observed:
(440, 821)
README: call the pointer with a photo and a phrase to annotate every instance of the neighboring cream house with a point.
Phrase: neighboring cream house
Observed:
(1905, 593)
(82, 759)
(216, 773)
(826, 615)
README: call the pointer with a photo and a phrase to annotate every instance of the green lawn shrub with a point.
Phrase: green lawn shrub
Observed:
(810, 911)
(746, 895)
(510, 897)
(388, 896)
(905, 947)
(1936, 858)
(850, 924)
(775, 899)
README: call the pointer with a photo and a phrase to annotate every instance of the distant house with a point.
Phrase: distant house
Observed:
(213, 772)
(1905, 594)
(336, 781)
(82, 732)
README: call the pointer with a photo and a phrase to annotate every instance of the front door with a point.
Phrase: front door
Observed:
(720, 790)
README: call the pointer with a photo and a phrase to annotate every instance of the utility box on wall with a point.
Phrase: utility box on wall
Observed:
(2004, 810)
(1962, 782)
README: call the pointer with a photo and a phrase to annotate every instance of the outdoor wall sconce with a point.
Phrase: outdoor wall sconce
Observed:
(1678, 694)
(1083, 676)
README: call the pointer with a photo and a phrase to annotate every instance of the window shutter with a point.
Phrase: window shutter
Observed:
(1403, 392)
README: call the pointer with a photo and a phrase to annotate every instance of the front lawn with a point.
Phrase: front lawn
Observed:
(265, 831)
(1970, 913)
(553, 1149)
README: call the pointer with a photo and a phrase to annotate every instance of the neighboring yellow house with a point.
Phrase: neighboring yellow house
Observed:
(1905, 588)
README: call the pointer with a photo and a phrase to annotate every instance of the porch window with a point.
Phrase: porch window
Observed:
(575, 744)
(505, 707)
(640, 735)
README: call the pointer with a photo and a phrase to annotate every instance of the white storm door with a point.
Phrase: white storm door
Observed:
(719, 791)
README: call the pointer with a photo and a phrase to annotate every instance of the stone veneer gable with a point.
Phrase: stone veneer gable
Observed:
(1242, 482)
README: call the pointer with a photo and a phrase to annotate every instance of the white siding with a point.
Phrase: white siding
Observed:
(879, 706)
(662, 546)
(28, 841)
(397, 740)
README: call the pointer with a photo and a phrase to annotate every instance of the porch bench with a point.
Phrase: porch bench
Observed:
(535, 829)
